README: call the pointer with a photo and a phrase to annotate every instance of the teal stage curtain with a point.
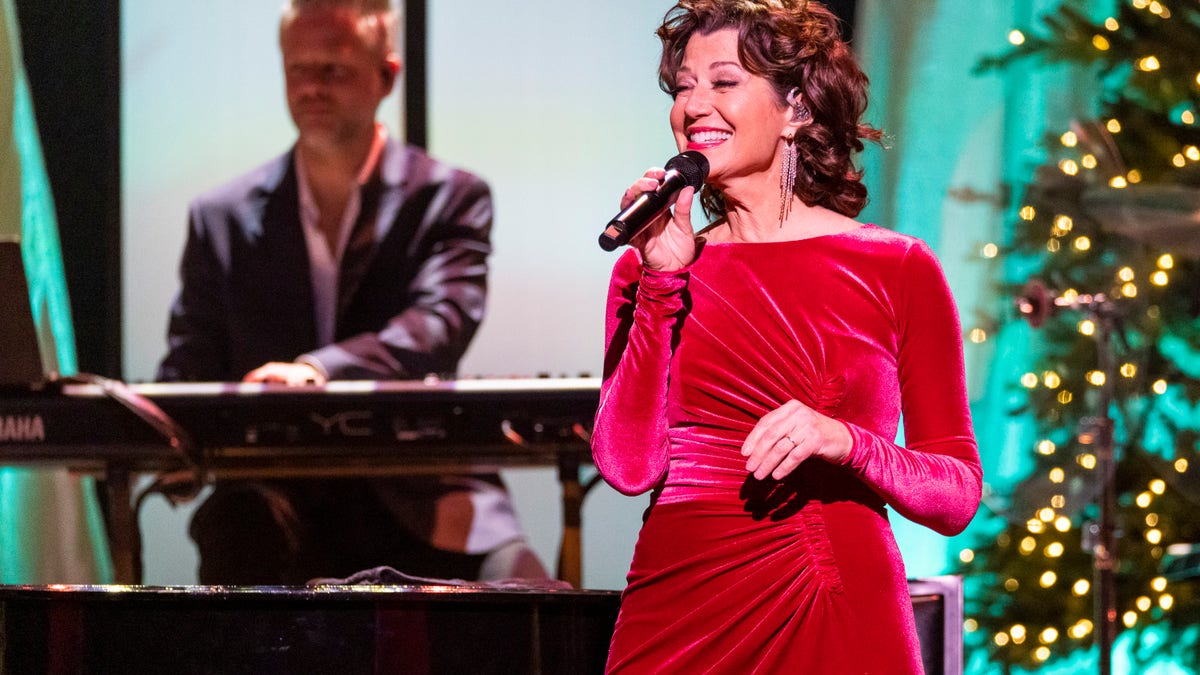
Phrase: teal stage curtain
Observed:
(51, 530)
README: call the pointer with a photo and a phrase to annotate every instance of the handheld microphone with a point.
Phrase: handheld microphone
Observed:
(685, 169)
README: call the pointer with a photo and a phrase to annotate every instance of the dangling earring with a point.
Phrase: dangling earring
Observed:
(787, 172)
(787, 179)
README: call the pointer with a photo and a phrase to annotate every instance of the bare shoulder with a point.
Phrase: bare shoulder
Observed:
(823, 222)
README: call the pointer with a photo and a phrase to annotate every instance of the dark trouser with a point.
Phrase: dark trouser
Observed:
(288, 532)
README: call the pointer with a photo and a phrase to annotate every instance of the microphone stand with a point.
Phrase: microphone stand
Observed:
(1099, 430)
(1036, 304)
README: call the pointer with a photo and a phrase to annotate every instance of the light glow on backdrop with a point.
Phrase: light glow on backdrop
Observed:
(555, 104)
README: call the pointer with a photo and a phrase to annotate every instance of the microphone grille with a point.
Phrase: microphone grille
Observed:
(692, 165)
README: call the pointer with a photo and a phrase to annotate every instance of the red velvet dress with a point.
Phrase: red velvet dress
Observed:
(735, 575)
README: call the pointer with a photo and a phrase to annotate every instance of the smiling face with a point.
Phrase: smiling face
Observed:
(730, 114)
(336, 74)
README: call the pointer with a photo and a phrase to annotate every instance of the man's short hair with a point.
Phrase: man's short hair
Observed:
(363, 6)
(379, 12)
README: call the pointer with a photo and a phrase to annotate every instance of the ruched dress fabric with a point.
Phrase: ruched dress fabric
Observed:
(735, 575)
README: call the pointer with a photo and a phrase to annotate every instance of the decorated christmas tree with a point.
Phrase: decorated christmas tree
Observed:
(1109, 234)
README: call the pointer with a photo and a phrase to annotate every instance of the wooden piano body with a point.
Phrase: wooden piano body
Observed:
(400, 630)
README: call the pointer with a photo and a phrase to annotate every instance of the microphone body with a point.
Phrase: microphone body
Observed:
(685, 169)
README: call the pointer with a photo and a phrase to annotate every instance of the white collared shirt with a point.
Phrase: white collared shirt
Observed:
(324, 264)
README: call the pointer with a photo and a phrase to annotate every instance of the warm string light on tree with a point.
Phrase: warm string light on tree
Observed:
(1087, 223)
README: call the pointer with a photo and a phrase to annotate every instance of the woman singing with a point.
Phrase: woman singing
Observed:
(756, 373)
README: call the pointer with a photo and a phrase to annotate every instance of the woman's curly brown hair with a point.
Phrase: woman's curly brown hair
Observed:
(791, 43)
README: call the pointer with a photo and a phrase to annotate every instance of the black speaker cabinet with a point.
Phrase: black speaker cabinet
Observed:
(938, 605)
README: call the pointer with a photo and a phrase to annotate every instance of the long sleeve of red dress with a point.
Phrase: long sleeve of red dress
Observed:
(629, 442)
